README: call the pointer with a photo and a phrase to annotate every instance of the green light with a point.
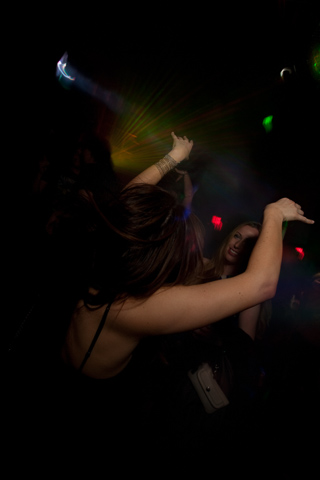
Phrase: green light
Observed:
(267, 123)
(316, 62)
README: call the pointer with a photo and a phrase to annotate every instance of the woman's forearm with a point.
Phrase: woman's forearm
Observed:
(153, 174)
(266, 256)
(265, 259)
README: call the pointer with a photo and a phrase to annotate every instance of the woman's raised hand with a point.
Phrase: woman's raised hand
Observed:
(290, 210)
(181, 147)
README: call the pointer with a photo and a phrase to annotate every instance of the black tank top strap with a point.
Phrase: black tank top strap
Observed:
(96, 336)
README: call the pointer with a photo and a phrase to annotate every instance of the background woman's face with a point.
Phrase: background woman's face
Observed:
(239, 243)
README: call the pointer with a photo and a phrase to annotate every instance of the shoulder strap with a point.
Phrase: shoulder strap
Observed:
(96, 336)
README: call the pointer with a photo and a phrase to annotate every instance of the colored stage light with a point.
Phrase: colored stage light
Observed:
(300, 252)
(267, 123)
(216, 222)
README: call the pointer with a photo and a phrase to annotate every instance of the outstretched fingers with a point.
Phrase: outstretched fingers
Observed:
(306, 220)
(301, 216)
(291, 210)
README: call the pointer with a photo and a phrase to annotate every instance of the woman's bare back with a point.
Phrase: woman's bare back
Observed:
(112, 350)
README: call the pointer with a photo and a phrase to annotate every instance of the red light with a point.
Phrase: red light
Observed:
(216, 222)
(300, 252)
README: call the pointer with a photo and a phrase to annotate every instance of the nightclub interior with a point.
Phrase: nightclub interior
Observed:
(243, 83)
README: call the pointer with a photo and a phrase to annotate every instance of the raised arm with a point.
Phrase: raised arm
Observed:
(181, 149)
(182, 308)
(187, 188)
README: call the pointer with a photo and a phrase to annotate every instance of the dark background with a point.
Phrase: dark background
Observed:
(217, 54)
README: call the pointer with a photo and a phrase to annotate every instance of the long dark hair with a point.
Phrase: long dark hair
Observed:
(145, 241)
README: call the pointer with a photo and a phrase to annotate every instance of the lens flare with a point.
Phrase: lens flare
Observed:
(61, 68)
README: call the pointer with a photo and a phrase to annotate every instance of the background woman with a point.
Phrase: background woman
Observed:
(231, 259)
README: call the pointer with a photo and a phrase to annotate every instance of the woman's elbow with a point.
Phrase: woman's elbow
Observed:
(264, 284)
(268, 290)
